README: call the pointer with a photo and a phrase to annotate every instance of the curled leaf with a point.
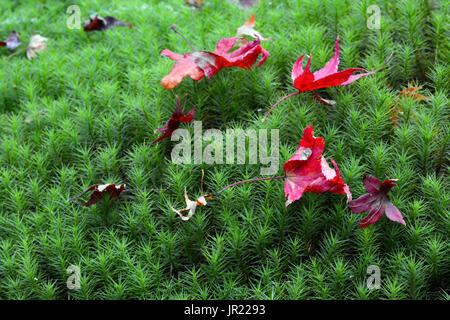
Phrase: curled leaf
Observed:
(376, 202)
(12, 42)
(329, 76)
(173, 123)
(37, 44)
(247, 29)
(200, 63)
(308, 171)
(101, 24)
(99, 192)
(191, 206)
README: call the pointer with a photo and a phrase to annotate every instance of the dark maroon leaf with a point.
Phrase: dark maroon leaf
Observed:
(101, 24)
(376, 202)
(100, 191)
(173, 123)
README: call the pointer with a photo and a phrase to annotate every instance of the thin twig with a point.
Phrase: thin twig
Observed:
(16, 53)
(174, 28)
(251, 180)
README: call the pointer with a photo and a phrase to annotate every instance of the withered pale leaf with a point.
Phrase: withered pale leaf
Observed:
(37, 44)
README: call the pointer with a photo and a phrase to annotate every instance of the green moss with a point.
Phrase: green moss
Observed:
(84, 112)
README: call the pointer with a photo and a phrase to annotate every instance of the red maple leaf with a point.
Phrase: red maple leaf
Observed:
(328, 76)
(99, 193)
(376, 202)
(200, 63)
(100, 24)
(173, 123)
(308, 171)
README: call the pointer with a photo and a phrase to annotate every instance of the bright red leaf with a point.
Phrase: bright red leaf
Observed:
(328, 76)
(200, 63)
(173, 123)
(376, 202)
(12, 42)
(100, 191)
(308, 171)
(100, 24)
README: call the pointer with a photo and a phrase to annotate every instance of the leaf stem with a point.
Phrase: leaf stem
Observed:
(245, 181)
(16, 53)
(288, 96)
(174, 28)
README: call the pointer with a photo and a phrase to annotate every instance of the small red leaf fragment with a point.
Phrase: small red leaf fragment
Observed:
(194, 3)
(247, 29)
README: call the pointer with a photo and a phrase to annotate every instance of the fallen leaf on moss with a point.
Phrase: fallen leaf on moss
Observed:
(100, 191)
(376, 202)
(191, 206)
(329, 76)
(37, 44)
(396, 108)
(244, 4)
(247, 29)
(173, 123)
(308, 171)
(101, 24)
(12, 42)
(200, 63)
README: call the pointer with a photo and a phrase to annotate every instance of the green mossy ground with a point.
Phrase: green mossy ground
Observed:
(73, 117)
